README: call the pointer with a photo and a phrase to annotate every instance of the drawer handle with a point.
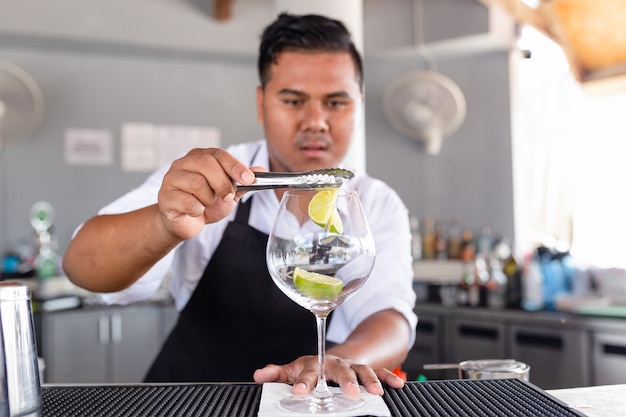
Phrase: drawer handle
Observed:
(551, 342)
(103, 330)
(614, 350)
(116, 328)
(479, 332)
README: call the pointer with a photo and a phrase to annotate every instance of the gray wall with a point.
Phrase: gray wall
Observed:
(184, 68)
(470, 180)
(102, 91)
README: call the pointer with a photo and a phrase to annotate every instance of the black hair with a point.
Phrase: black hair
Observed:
(305, 33)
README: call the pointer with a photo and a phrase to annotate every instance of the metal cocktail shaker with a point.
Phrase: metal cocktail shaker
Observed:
(19, 374)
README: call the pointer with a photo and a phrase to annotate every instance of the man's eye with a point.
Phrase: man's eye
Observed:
(292, 102)
(336, 103)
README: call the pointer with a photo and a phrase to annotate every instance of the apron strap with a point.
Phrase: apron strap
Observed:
(243, 211)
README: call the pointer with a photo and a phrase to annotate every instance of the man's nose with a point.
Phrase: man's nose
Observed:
(315, 118)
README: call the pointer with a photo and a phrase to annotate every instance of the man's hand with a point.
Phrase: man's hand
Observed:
(198, 189)
(302, 373)
(110, 252)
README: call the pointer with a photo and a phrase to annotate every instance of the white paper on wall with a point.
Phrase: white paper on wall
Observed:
(146, 147)
(89, 147)
(176, 141)
(139, 150)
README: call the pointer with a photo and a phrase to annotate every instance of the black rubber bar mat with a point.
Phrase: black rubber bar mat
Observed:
(475, 398)
(471, 398)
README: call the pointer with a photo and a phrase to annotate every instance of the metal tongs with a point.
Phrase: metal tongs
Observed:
(319, 178)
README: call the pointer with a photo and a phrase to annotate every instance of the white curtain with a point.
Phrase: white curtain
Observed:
(546, 103)
(569, 159)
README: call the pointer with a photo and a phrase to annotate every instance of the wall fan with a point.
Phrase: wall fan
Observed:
(21, 103)
(425, 106)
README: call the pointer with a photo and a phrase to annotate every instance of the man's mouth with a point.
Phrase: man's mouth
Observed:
(314, 150)
(314, 147)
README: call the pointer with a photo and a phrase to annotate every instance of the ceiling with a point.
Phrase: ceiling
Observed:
(592, 34)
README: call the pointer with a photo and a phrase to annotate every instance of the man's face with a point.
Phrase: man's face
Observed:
(309, 109)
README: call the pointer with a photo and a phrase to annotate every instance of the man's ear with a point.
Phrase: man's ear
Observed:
(259, 104)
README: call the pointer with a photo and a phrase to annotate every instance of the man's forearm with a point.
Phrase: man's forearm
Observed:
(111, 252)
(380, 341)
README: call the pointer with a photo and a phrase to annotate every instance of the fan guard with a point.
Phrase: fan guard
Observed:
(21, 103)
(425, 106)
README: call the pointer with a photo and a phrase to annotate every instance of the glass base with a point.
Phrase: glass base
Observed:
(310, 404)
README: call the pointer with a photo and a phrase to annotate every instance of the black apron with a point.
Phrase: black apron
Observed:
(237, 320)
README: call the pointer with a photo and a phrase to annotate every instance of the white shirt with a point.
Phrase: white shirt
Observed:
(390, 284)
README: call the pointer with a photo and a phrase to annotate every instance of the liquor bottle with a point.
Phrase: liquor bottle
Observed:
(513, 274)
(455, 240)
(501, 248)
(441, 241)
(496, 285)
(484, 241)
(428, 239)
(416, 239)
(532, 285)
(465, 285)
(481, 277)
(468, 247)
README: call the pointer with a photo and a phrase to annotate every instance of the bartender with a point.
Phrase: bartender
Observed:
(187, 220)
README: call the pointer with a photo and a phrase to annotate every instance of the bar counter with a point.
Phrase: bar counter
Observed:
(503, 397)
(598, 401)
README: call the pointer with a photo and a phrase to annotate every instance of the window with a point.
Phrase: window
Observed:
(569, 159)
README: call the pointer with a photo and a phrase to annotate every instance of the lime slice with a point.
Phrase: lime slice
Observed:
(322, 206)
(323, 212)
(335, 225)
(316, 286)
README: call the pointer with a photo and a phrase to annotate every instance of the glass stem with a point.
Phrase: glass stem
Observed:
(321, 390)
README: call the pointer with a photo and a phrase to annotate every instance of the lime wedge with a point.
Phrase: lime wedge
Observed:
(335, 225)
(324, 213)
(316, 286)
